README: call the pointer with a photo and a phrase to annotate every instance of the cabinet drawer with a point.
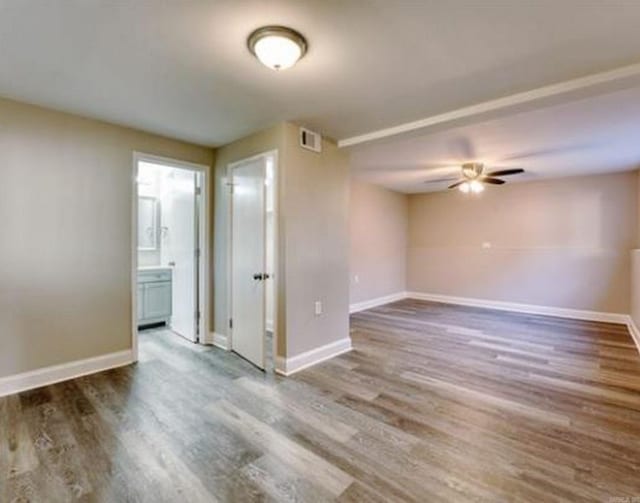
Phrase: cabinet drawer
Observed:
(153, 276)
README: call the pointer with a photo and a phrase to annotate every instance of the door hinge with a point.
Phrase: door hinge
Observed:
(197, 252)
(230, 323)
(198, 191)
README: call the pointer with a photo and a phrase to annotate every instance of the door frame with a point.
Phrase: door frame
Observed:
(276, 241)
(204, 284)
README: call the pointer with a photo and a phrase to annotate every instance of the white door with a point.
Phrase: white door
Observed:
(248, 260)
(179, 245)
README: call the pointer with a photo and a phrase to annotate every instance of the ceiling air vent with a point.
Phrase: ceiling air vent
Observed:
(310, 140)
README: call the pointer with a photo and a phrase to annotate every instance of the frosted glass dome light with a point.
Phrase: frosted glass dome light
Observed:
(476, 187)
(277, 47)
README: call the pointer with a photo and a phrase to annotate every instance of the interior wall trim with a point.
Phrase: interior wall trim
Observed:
(634, 331)
(612, 80)
(576, 314)
(63, 372)
(378, 301)
(220, 341)
(289, 366)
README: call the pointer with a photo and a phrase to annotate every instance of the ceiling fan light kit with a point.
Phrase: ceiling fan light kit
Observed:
(474, 186)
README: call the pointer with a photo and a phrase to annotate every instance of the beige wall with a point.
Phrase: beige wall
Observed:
(314, 211)
(313, 238)
(378, 223)
(65, 245)
(561, 243)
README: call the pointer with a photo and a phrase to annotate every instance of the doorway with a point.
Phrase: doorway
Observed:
(169, 256)
(253, 251)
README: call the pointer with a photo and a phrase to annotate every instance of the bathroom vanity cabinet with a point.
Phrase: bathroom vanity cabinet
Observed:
(154, 295)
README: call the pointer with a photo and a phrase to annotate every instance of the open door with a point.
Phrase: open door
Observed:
(180, 249)
(248, 261)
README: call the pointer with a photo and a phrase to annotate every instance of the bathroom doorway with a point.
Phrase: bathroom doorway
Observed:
(169, 256)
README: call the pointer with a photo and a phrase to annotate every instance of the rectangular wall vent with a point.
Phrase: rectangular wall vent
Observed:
(310, 140)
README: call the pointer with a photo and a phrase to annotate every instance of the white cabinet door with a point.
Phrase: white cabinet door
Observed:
(157, 300)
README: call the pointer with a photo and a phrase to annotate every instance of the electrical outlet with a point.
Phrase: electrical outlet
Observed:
(356, 279)
(318, 308)
(486, 245)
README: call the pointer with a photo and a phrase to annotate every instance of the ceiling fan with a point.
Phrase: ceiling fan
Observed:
(474, 177)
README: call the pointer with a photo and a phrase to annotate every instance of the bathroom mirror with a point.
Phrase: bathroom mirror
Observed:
(148, 223)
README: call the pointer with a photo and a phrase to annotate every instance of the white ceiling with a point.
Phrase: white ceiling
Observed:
(181, 68)
(596, 135)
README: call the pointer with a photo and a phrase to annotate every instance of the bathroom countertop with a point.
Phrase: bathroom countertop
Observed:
(154, 268)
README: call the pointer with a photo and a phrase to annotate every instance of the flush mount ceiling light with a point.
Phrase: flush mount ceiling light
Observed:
(277, 47)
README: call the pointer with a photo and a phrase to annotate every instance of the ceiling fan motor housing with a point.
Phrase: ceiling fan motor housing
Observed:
(472, 170)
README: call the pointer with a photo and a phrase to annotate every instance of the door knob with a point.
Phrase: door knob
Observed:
(258, 277)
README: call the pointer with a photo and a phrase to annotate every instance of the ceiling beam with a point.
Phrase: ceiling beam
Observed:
(570, 90)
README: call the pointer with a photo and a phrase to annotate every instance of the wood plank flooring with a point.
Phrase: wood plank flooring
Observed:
(435, 403)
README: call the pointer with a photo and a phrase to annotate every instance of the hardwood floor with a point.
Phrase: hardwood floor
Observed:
(435, 403)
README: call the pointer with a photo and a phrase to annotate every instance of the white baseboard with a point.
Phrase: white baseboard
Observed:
(635, 333)
(219, 340)
(561, 312)
(57, 373)
(288, 366)
(577, 314)
(379, 301)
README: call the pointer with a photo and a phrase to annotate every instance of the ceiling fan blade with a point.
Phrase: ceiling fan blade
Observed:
(459, 182)
(441, 180)
(492, 181)
(506, 172)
